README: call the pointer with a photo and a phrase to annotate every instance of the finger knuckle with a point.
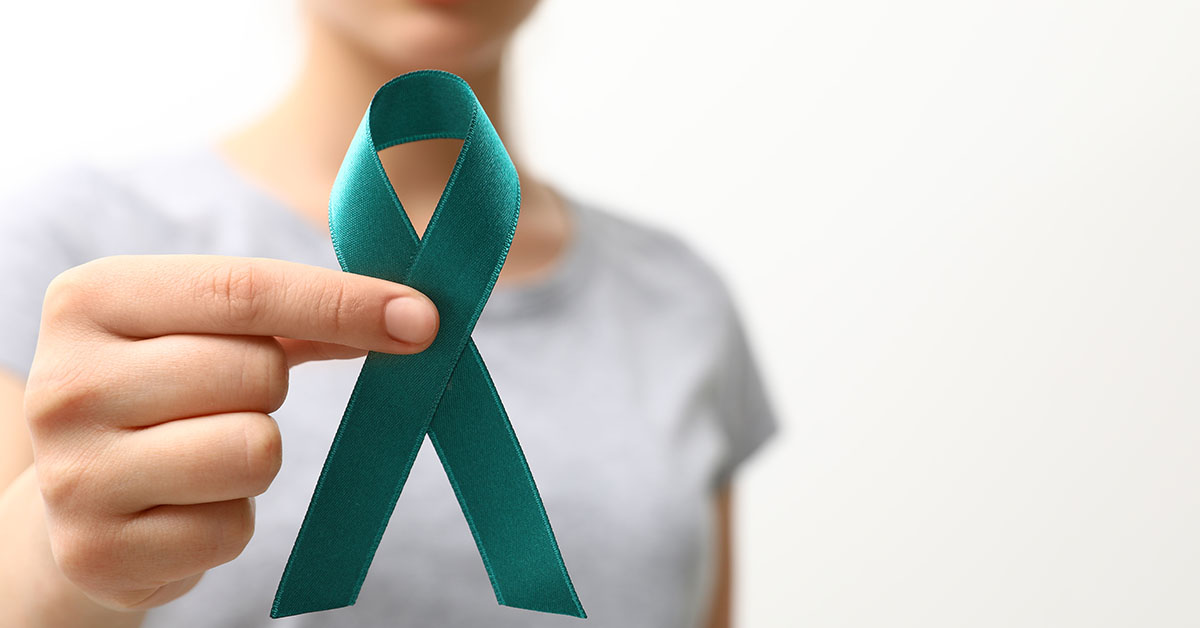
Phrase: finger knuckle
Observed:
(334, 305)
(60, 480)
(74, 470)
(236, 288)
(63, 391)
(67, 294)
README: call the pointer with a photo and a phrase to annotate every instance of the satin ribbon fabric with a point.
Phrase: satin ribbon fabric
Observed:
(444, 391)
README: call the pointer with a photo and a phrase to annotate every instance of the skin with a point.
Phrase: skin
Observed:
(103, 514)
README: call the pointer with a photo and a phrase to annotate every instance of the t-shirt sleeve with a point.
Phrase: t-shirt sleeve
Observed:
(743, 406)
(33, 250)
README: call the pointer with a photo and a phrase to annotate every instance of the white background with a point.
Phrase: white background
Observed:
(964, 235)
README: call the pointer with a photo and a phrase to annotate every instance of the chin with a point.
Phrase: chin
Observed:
(435, 41)
(452, 35)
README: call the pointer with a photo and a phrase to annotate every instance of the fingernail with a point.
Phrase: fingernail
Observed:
(410, 319)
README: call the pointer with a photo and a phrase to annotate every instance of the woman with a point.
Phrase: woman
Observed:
(151, 401)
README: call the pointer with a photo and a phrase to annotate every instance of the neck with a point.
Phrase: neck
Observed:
(297, 147)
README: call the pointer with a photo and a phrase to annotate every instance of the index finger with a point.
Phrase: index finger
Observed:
(145, 296)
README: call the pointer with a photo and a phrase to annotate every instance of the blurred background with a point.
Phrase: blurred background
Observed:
(964, 235)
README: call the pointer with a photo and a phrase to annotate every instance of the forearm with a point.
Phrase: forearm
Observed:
(720, 612)
(33, 593)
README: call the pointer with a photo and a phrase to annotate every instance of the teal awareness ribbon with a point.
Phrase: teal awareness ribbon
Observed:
(444, 391)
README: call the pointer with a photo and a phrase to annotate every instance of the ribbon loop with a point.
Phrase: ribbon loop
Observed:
(444, 391)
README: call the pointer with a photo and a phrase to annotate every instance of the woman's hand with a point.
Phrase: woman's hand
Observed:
(149, 397)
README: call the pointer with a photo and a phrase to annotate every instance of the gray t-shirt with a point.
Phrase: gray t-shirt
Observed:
(626, 374)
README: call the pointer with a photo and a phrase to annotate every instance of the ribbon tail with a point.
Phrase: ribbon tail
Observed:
(367, 466)
(491, 478)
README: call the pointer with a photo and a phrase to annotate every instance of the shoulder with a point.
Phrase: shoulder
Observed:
(58, 191)
(83, 184)
(674, 307)
(152, 203)
(61, 207)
